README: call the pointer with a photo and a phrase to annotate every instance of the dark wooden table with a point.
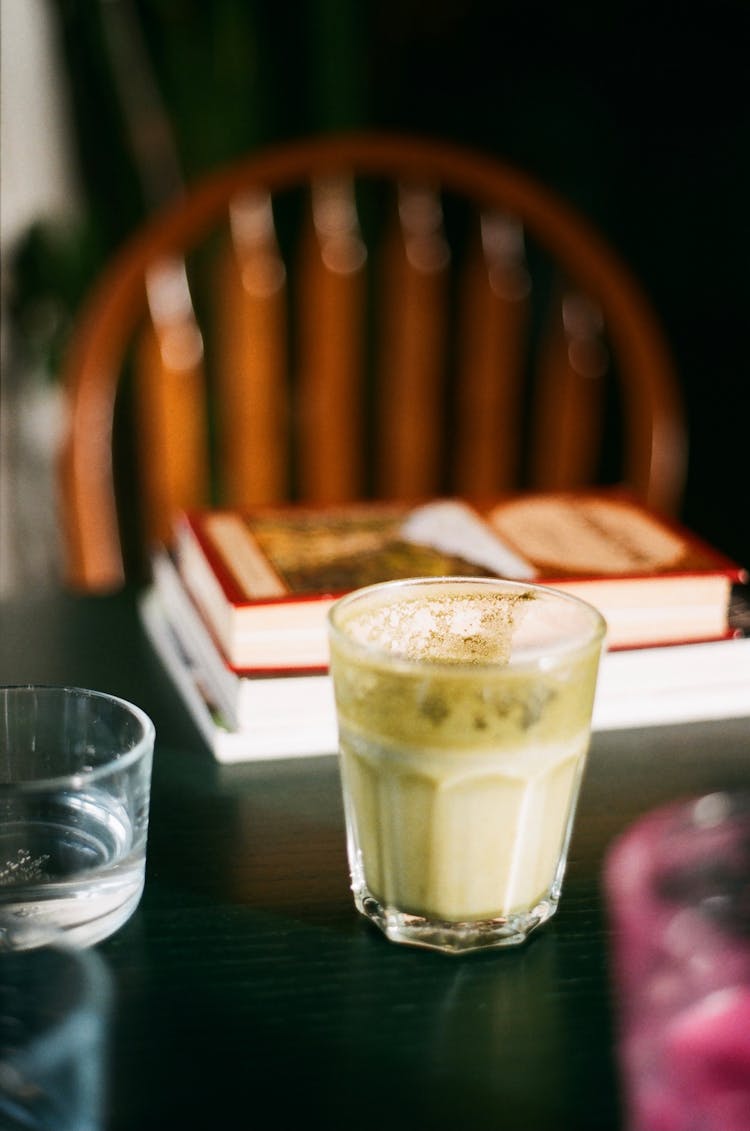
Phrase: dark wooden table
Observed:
(249, 993)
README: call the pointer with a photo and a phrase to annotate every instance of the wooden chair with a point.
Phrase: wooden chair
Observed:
(350, 317)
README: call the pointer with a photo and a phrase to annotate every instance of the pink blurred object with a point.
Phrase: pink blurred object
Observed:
(678, 892)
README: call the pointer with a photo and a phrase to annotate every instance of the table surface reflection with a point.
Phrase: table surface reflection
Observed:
(248, 989)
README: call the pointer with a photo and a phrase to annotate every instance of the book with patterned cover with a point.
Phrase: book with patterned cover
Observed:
(264, 581)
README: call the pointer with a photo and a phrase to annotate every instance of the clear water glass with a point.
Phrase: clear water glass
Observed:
(75, 782)
(55, 1007)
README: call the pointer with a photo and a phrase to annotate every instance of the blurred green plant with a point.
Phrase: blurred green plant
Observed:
(52, 267)
(227, 76)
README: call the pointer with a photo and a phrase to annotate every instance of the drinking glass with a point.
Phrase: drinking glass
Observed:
(677, 883)
(75, 779)
(464, 714)
(55, 1004)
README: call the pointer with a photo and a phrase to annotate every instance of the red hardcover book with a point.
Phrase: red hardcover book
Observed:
(264, 581)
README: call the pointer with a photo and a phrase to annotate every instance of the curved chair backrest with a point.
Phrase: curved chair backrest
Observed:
(359, 316)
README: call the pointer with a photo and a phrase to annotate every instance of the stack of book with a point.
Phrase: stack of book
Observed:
(237, 607)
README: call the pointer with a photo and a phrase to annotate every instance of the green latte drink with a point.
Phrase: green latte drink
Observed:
(464, 712)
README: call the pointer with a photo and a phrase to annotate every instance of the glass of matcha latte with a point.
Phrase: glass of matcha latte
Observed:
(464, 712)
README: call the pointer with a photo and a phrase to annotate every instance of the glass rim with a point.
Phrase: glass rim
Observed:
(80, 777)
(595, 633)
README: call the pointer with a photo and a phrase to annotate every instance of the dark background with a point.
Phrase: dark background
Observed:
(637, 112)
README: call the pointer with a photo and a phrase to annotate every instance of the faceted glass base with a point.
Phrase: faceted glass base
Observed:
(454, 938)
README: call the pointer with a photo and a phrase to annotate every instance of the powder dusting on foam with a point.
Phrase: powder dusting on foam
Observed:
(470, 628)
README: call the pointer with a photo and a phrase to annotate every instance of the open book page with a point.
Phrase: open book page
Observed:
(598, 536)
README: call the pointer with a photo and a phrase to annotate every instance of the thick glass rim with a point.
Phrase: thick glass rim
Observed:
(588, 636)
(80, 777)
